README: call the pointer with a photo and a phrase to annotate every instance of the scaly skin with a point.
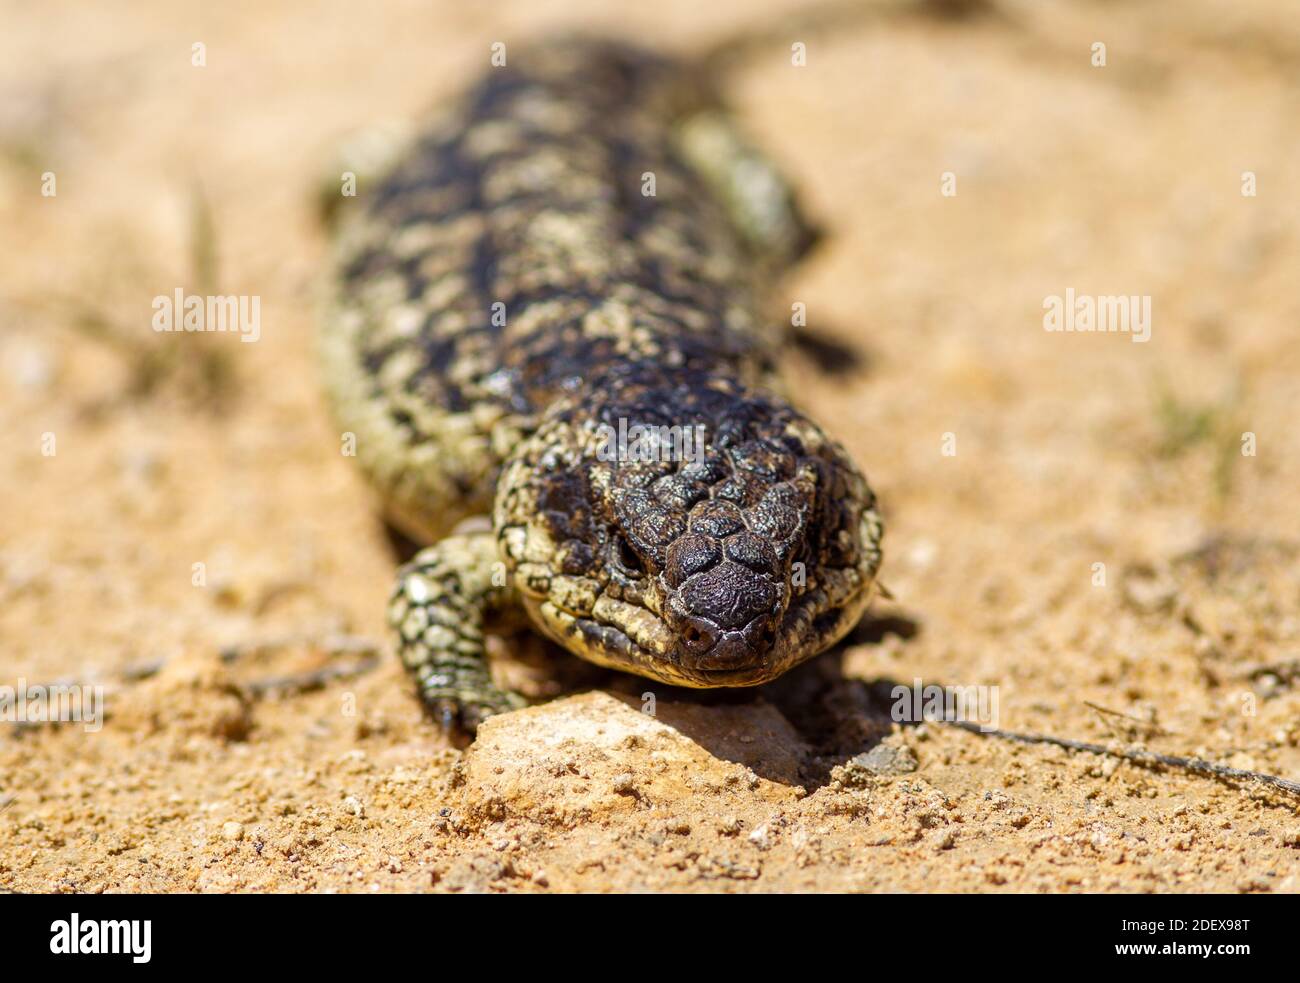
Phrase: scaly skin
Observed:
(507, 290)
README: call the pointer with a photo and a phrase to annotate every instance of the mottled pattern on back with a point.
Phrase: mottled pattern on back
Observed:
(513, 253)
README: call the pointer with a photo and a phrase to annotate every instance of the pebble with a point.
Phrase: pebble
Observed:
(886, 760)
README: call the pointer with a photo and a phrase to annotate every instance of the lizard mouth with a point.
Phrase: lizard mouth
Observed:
(717, 678)
(748, 676)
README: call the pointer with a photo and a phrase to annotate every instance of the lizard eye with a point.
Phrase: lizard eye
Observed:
(626, 559)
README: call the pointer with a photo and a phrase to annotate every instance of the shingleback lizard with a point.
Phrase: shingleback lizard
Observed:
(581, 247)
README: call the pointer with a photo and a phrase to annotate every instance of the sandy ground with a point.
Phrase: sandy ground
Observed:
(1097, 540)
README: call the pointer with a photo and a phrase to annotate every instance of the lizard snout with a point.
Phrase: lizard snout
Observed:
(707, 648)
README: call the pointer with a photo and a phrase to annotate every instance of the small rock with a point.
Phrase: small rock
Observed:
(624, 784)
(586, 760)
(475, 874)
(232, 831)
(885, 760)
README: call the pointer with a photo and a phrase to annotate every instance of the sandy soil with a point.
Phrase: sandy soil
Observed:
(1072, 450)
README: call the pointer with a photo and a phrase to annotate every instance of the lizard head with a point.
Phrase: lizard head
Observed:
(687, 529)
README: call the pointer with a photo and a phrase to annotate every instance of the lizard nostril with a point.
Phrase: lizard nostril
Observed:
(627, 558)
(699, 638)
(761, 634)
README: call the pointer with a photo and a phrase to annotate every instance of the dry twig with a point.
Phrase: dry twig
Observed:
(1146, 759)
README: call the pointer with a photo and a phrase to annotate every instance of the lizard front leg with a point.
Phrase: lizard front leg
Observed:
(439, 609)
